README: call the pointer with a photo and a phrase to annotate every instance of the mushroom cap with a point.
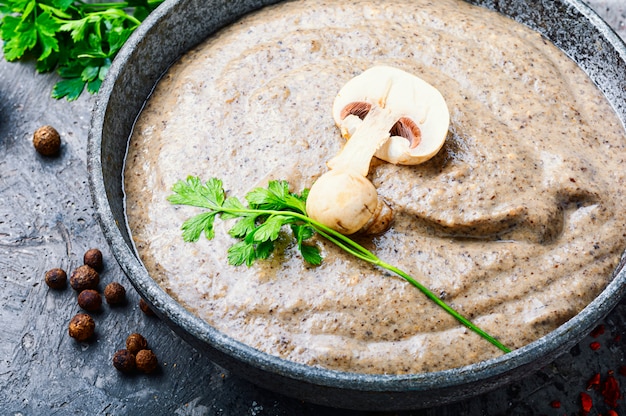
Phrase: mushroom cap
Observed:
(342, 200)
(407, 96)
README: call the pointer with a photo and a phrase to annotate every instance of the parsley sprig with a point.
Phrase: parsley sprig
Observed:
(77, 39)
(260, 223)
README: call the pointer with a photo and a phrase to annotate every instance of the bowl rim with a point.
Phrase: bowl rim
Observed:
(566, 334)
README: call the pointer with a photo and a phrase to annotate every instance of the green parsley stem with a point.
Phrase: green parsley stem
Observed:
(371, 258)
(444, 306)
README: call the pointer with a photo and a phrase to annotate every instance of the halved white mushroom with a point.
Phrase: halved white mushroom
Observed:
(422, 114)
(385, 112)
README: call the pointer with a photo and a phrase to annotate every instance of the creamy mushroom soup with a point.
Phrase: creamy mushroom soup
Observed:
(517, 222)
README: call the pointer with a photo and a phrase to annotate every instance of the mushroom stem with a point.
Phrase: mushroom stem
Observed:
(369, 136)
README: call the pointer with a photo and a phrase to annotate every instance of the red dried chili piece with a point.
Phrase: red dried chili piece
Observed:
(595, 345)
(610, 391)
(599, 330)
(622, 370)
(594, 382)
(611, 413)
(555, 404)
(586, 402)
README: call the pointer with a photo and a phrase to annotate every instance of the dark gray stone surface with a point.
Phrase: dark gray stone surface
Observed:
(47, 220)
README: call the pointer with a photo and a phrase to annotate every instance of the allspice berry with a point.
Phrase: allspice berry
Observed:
(115, 293)
(56, 278)
(135, 343)
(90, 300)
(124, 361)
(145, 308)
(93, 259)
(146, 361)
(81, 327)
(84, 277)
(47, 141)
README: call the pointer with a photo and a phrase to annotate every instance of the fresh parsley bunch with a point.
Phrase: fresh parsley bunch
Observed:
(77, 39)
(260, 223)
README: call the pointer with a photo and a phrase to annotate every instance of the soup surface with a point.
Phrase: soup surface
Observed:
(517, 223)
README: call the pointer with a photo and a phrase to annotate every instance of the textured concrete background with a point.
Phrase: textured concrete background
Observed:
(47, 220)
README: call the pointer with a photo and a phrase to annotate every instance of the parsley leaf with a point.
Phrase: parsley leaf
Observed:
(311, 254)
(195, 226)
(70, 88)
(243, 227)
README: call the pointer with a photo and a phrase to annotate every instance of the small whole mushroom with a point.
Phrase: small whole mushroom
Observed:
(383, 112)
(342, 200)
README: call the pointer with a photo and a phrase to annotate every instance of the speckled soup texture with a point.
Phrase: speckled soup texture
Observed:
(517, 222)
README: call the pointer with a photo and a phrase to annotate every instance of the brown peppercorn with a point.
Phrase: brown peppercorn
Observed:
(81, 327)
(90, 300)
(93, 258)
(56, 278)
(47, 141)
(146, 361)
(135, 343)
(84, 277)
(124, 361)
(145, 308)
(114, 293)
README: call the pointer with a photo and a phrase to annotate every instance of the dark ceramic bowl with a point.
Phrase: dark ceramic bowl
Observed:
(180, 24)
